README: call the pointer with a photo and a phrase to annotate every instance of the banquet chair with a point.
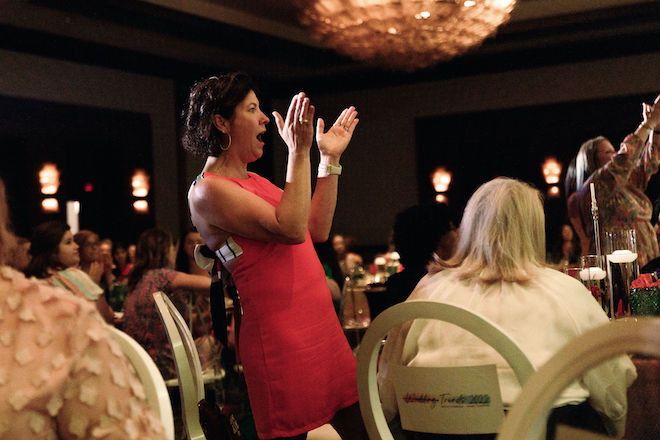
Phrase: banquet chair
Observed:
(367, 359)
(150, 377)
(529, 413)
(188, 366)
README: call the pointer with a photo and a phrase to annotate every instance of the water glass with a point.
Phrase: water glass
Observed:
(622, 268)
(593, 274)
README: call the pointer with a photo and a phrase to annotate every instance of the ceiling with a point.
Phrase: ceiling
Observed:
(187, 38)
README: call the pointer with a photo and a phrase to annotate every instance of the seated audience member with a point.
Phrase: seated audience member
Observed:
(566, 250)
(61, 374)
(91, 261)
(131, 253)
(421, 233)
(122, 267)
(19, 255)
(152, 272)
(55, 259)
(198, 307)
(498, 271)
(344, 246)
(333, 273)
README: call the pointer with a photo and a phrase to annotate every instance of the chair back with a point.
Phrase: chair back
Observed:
(188, 366)
(367, 356)
(150, 377)
(529, 413)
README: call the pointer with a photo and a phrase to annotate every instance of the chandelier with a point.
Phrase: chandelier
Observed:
(403, 34)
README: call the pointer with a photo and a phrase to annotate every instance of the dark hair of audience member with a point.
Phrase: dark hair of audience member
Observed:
(45, 241)
(152, 252)
(182, 264)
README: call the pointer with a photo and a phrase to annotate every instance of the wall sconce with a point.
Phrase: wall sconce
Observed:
(140, 183)
(141, 206)
(49, 179)
(50, 205)
(441, 179)
(551, 170)
(441, 198)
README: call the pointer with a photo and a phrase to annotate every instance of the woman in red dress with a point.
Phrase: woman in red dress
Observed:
(299, 369)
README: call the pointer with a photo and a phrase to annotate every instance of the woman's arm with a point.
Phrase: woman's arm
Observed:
(105, 310)
(197, 283)
(224, 205)
(331, 146)
(650, 159)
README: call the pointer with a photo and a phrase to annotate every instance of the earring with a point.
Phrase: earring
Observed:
(222, 147)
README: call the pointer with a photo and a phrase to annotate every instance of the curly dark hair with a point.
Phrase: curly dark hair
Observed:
(216, 95)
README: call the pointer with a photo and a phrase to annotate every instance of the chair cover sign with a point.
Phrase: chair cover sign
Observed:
(367, 356)
(188, 366)
(529, 413)
(150, 377)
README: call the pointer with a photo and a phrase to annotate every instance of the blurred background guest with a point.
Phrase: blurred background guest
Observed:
(620, 182)
(344, 246)
(49, 387)
(122, 267)
(152, 273)
(498, 271)
(98, 268)
(55, 258)
(185, 257)
(566, 250)
(19, 256)
(333, 273)
(421, 233)
(198, 307)
(131, 253)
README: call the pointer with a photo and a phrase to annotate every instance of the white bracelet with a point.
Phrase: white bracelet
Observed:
(325, 169)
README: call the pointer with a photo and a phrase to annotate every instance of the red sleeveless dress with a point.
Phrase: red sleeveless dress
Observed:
(298, 366)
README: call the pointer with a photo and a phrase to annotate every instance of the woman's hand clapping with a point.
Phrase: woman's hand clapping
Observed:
(333, 142)
(297, 130)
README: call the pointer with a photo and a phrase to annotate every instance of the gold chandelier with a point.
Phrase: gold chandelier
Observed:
(403, 34)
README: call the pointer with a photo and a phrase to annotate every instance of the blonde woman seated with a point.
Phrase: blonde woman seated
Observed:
(499, 272)
(61, 375)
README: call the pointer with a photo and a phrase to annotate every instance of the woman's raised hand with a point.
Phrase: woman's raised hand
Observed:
(651, 113)
(297, 130)
(333, 142)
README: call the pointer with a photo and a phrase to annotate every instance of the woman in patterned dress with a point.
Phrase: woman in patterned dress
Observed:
(620, 185)
(153, 272)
